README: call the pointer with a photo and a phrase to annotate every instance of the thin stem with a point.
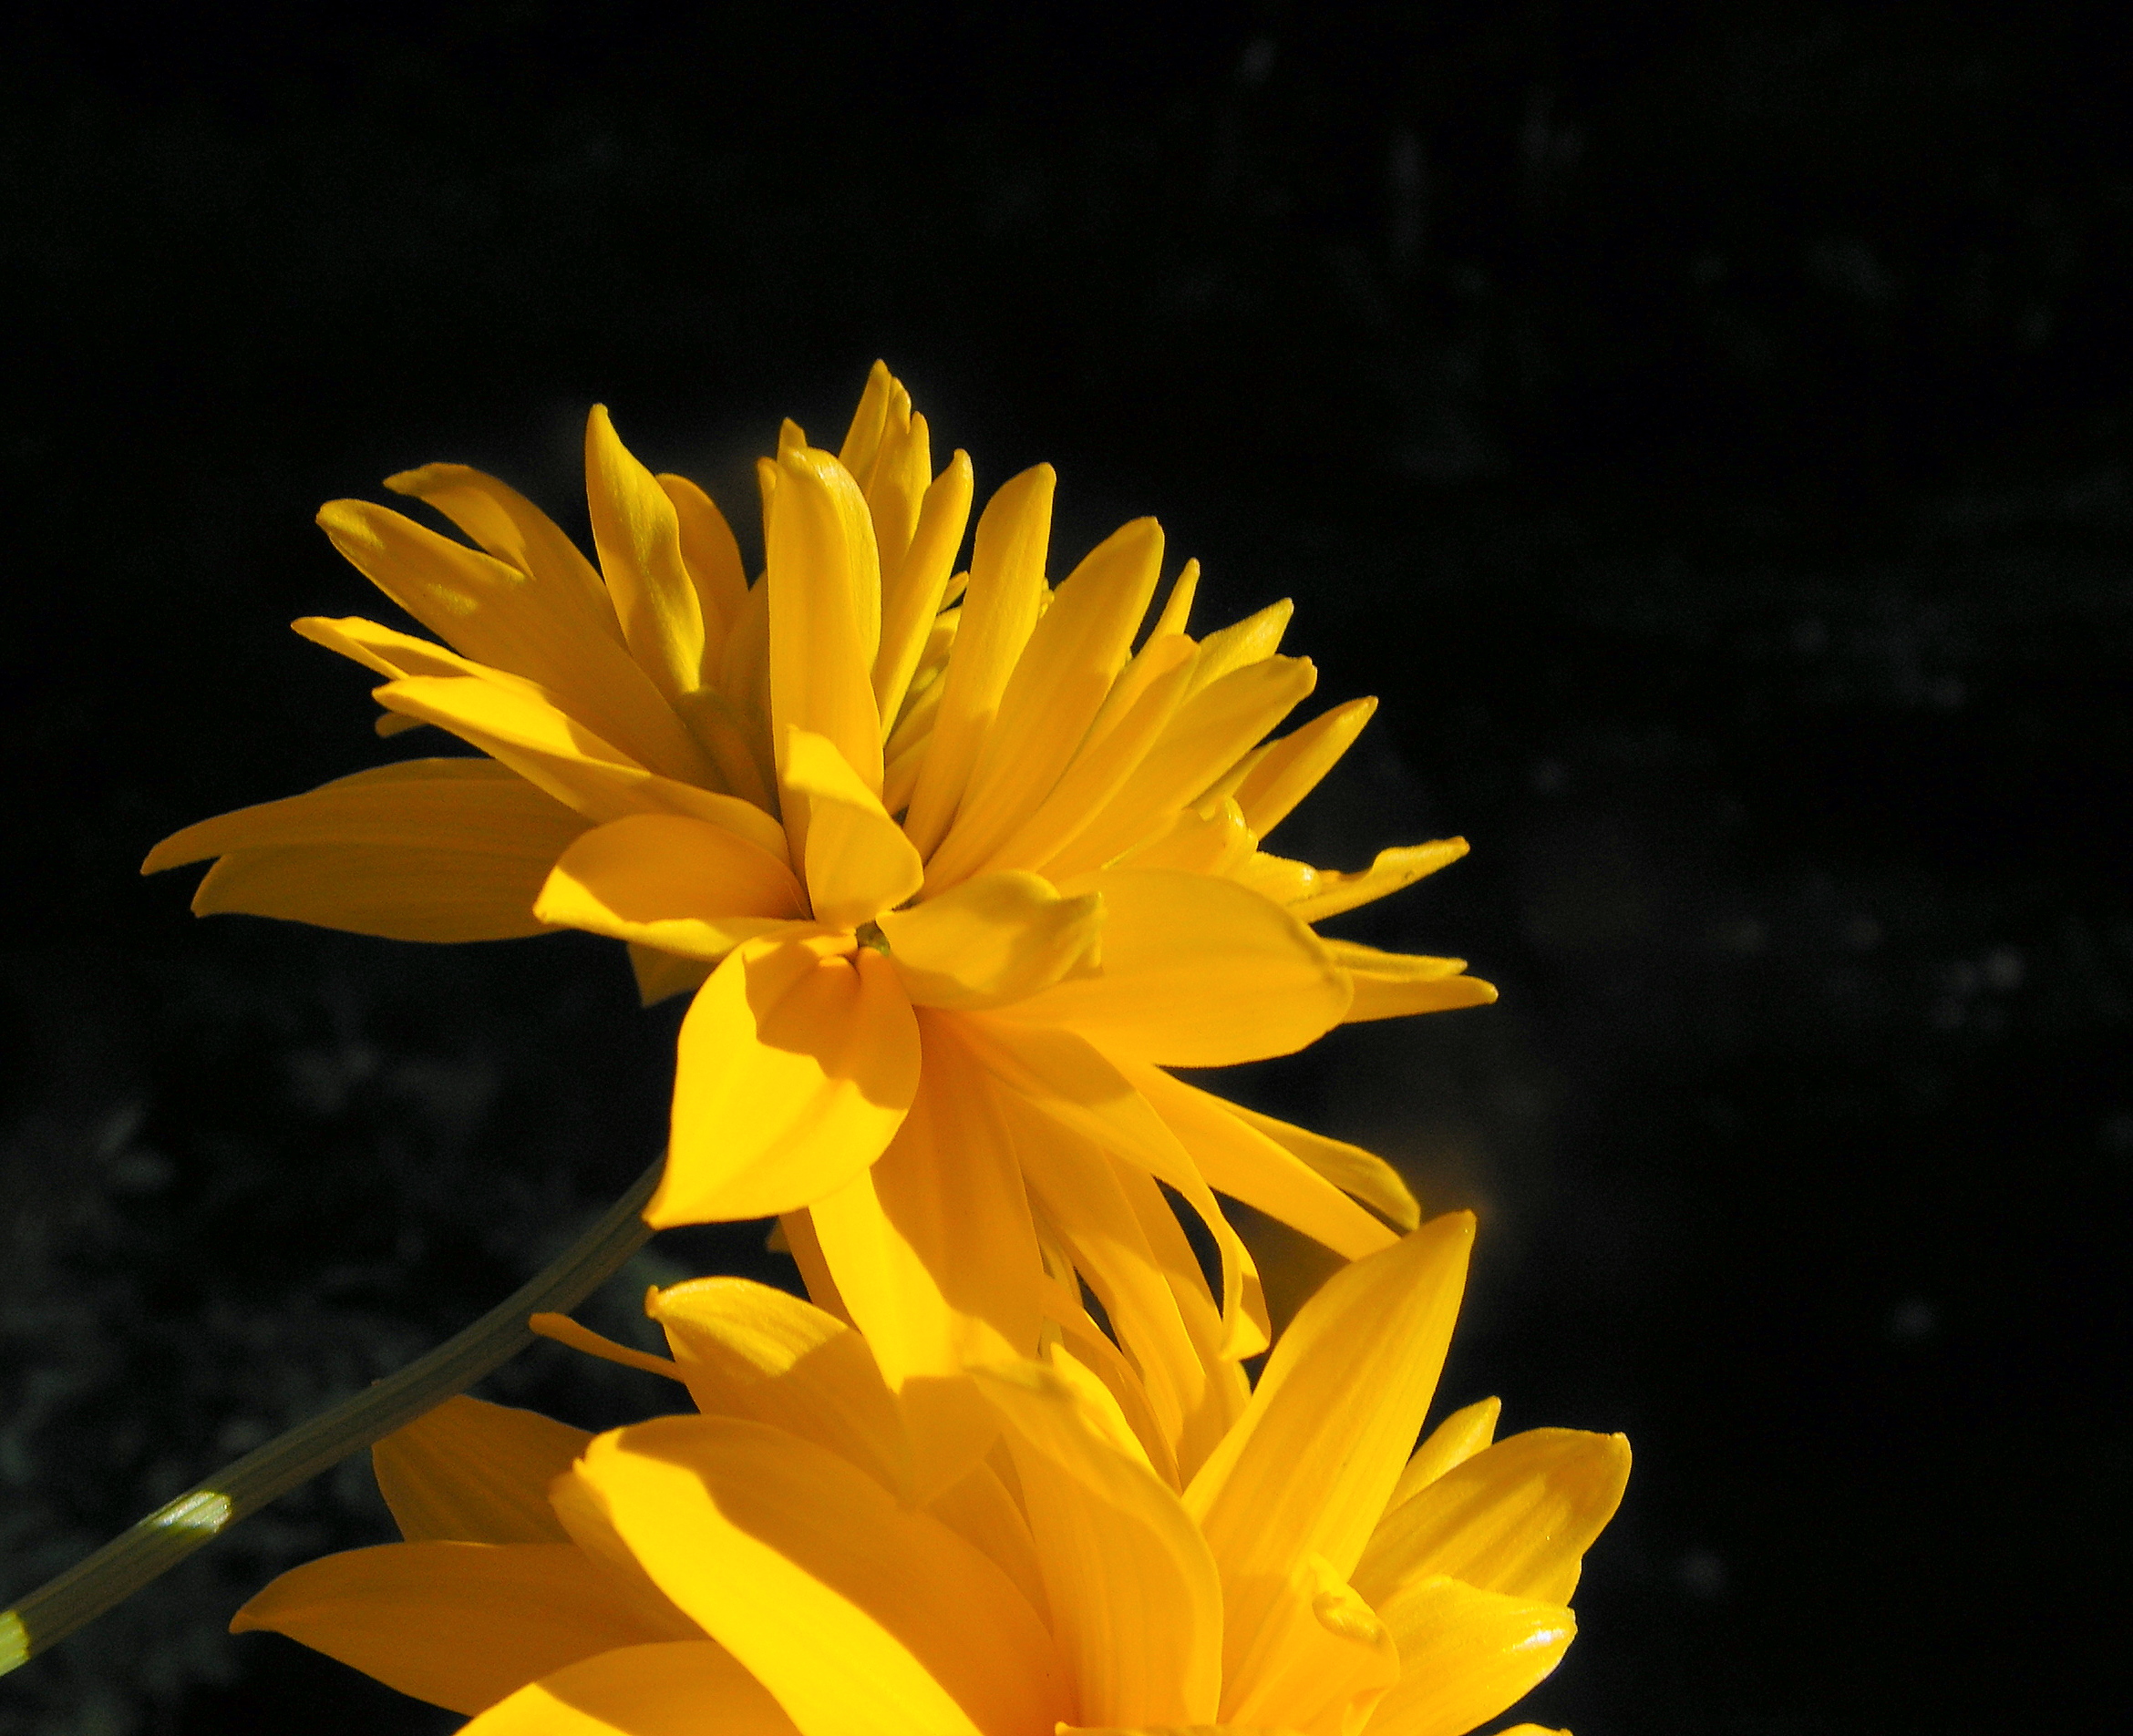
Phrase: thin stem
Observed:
(178, 1527)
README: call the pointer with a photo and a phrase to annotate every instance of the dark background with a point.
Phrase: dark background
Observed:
(1707, 428)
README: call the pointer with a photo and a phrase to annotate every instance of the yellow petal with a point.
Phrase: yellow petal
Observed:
(934, 1254)
(1319, 1663)
(825, 619)
(1309, 1467)
(663, 975)
(498, 616)
(748, 1350)
(1197, 973)
(860, 1615)
(683, 886)
(1136, 1603)
(1007, 591)
(447, 849)
(683, 1689)
(1243, 642)
(392, 653)
(992, 941)
(1391, 870)
(513, 529)
(460, 1625)
(985, 1512)
(911, 599)
(470, 1472)
(862, 439)
(1364, 1175)
(638, 535)
(1289, 769)
(1517, 1518)
(795, 1066)
(859, 861)
(895, 488)
(577, 767)
(1466, 1656)
(1059, 684)
(1195, 843)
(1392, 985)
(714, 563)
(1452, 1443)
(1210, 730)
(1240, 1161)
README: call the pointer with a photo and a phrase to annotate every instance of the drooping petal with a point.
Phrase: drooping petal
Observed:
(1452, 1443)
(795, 1063)
(1392, 985)
(1137, 1603)
(1331, 893)
(992, 941)
(512, 529)
(825, 598)
(498, 616)
(460, 1625)
(1465, 1656)
(1319, 1662)
(470, 1472)
(663, 881)
(1308, 1468)
(571, 762)
(1240, 1161)
(858, 862)
(685, 1689)
(748, 1350)
(1059, 684)
(1517, 1518)
(934, 1252)
(1291, 768)
(446, 850)
(638, 535)
(858, 1614)
(1196, 973)
(1006, 593)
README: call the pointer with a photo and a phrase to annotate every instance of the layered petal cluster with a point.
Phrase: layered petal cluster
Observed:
(773, 1565)
(958, 864)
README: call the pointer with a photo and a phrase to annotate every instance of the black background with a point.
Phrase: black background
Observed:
(1707, 428)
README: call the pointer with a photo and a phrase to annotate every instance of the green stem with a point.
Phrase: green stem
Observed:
(174, 1530)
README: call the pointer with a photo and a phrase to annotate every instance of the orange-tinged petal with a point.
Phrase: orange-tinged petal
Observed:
(748, 1350)
(638, 535)
(1465, 1656)
(1318, 1664)
(552, 750)
(1332, 893)
(911, 598)
(1392, 985)
(503, 618)
(1517, 1518)
(825, 619)
(687, 1688)
(934, 1254)
(712, 560)
(1059, 684)
(1289, 769)
(663, 975)
(460, 1625)
(858, 1614)
(470, 1472)
(1211, 729)
(1364, 1174)
(997, 939)
(515, 531)
(1243, 1163)
(985, 1512)
(664, 880)
(1308, 1468)
(1452, 1443)
(1243, 642)
(796, 1064)
(858, 862)
(1137, 1603)
(1197, 973)
(1005, 596)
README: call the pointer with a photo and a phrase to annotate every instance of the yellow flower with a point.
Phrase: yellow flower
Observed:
(960, 872)
(765, 1567)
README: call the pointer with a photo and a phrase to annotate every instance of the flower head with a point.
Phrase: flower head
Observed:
(957, 867)
(769, 1564)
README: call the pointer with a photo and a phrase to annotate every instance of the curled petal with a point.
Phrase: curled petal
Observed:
(1392, 985)
(858, 862)
(679, 884)
(997, 939)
